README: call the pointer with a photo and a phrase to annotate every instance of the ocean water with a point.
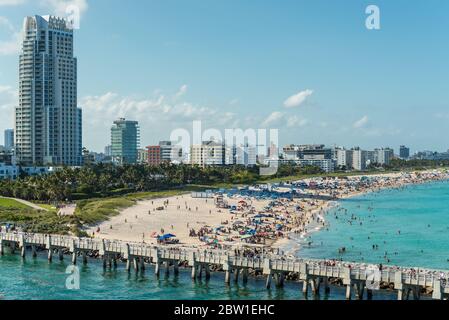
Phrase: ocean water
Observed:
(410, 226)
(37, 279)
(421, 213)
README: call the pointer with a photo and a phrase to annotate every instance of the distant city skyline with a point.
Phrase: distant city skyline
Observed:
(309, 68)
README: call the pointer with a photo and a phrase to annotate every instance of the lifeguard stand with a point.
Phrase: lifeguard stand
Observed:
(220, 202)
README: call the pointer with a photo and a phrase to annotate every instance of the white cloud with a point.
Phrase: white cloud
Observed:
(361, 122)
(11, 2)
(296, 121)
(274, 118)
(182, 91)
(157, 116)
(297, 99)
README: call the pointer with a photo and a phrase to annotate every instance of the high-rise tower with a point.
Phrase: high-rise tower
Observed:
(47, 120)
(125, 140)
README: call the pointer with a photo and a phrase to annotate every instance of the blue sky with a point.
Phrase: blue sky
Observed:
(235, 63)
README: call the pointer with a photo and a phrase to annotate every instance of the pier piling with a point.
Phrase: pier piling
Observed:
(236, 275)
(167, 268)
(348, 292)
(268, 282)
(207, 271)
(305, 287)
(228, 277)
(311, 272)
(245, 276)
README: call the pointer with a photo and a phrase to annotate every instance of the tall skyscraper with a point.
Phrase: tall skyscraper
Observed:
(125, 141)
(9, 139)
(47, 119)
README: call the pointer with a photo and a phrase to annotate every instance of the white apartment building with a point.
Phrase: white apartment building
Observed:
(359, 159)
(47, 119)
(170, 152)
(383, 156)
(244, 155)
(344, 158)
(209, 153)
(327, 165)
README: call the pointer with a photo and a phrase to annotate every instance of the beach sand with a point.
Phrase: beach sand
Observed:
(182, 213)
(143, 222)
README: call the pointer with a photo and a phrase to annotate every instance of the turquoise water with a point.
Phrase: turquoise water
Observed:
(38, 279)
(419, 212)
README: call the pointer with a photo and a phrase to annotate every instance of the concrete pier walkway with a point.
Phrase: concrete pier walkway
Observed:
(314, 274)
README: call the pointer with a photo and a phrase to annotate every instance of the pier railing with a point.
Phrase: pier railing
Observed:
(405, 279)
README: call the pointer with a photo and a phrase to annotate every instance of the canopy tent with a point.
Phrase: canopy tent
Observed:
(166, 236)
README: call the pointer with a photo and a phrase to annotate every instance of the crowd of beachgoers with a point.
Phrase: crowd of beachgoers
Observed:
(263, 215)
(294, 207)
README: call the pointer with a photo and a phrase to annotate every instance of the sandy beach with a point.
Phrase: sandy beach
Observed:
(182, 213)
(247, 219)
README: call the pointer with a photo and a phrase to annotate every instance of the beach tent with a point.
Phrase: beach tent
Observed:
(167, 236)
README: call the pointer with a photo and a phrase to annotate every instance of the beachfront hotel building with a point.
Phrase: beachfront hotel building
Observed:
(125, 140)
(170, 152)
(359, 159)
(213, 153)
(165, 152)
(344, 158)
(47, 119)
(243, 155)
(208, 153)
(316, 155)
(154, 155)
(383, 156)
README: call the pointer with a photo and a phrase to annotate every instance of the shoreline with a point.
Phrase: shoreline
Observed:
(291, 244)
(201, 222)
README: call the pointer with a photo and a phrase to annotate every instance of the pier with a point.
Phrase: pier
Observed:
(315, 275)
